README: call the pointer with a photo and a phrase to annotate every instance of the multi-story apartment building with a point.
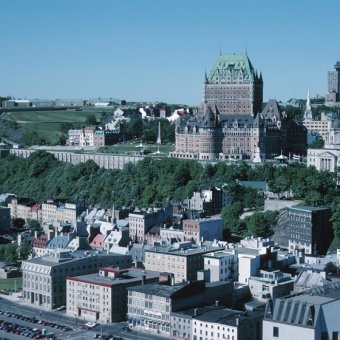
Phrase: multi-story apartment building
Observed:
(168, 234)
(207, 229)
(150, 306)
(182, 259)
(44, 278)
(310, 228)
(102, 297)
(25, 208)
(234, 86)
(216, 323)
(140, 222)
(312, 315)
(56, 212)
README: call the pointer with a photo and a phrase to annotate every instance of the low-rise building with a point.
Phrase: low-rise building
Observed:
(169, 234)
(44, 278)
(215, 323)
(270, 285)
(207, 229)
(25, 208)
(39, 244)
(102, 297)
(310, 315)
(222, 265)
(150, 306)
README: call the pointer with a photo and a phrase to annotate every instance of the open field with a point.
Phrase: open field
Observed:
(64, 116)
(13, 283)
(47, 126)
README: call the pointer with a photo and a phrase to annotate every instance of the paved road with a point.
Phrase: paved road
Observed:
(60, 317)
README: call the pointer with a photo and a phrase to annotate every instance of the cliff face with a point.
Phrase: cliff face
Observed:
(281, 230)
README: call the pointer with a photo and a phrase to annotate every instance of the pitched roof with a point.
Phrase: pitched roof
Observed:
(233, 64)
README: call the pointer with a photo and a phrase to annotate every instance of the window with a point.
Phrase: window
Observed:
(276, 332)
(335, 335)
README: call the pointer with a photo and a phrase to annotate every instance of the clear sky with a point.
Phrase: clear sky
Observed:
(158, 50)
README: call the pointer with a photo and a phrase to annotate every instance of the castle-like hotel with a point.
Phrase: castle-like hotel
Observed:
(232, 125)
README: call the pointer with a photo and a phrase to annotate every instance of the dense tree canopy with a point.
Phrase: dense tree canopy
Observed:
(152, 181)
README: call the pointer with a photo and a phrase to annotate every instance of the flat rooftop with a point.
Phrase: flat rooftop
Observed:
(126, 277)
(221, 315)
(183, 251)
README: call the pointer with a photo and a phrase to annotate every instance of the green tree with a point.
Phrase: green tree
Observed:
(33, 225)
(258, 225)
(335, 219)
(91, 119)
(18, 223)
(25, 250)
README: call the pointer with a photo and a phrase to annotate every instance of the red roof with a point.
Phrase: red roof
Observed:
(97, 242)
(40, 242)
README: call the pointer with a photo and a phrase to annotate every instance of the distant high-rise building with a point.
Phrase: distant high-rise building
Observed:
(333, 94)
(234, 86)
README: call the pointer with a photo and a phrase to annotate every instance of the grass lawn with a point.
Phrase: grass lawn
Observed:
(48, 124)
(52, 116)
(13, 283)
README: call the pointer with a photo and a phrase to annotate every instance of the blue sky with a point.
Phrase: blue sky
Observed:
(159, 49)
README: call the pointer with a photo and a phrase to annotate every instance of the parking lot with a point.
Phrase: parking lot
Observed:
(30, 327)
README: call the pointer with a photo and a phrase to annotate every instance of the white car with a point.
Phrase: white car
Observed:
(90, 325)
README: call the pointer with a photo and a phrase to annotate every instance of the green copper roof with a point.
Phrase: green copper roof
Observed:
(232, 65)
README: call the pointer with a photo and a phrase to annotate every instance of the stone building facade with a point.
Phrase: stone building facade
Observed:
(44, 278)
(213, 136)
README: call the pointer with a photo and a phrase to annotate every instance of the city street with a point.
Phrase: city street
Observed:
(78, 331)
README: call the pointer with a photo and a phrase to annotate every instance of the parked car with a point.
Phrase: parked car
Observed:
(90, 325)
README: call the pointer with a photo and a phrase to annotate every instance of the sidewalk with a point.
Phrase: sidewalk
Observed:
(15, 297)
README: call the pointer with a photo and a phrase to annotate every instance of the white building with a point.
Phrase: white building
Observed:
(313, 315)
(223, 265)
(44, 278)
(270, 284)
(327, 158)
(102, 297)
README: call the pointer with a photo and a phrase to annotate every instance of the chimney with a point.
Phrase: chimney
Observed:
(36, 234)
(237, 321)
(195, 311)
(217, 303)
(172, 279)
(50, 235)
